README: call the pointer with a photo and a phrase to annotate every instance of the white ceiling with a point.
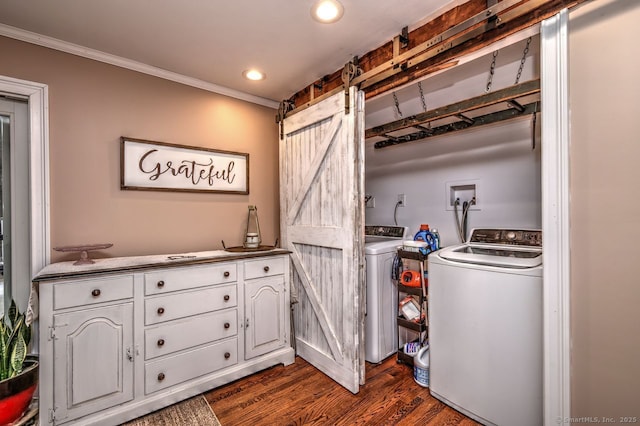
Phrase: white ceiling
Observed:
(214, 41)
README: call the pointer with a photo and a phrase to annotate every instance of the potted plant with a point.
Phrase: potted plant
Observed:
(18, 372)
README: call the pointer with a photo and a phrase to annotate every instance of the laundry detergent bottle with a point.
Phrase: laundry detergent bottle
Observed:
(424, 234)
(436, 236)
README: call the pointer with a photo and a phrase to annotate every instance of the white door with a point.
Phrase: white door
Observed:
(322, 224)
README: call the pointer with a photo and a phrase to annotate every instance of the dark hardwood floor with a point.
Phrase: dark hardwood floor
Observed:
(299, 394)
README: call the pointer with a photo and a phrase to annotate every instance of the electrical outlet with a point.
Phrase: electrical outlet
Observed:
(402, 200)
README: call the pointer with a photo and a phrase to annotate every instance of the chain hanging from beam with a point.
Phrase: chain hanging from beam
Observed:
(492, 70)
(513, 103)
(522, 61)
(424, 102)
(424, 107)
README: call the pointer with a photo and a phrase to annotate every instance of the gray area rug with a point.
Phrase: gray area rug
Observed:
(194, 411)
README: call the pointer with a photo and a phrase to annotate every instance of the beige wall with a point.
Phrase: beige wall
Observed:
(605, 209)
(91, 105)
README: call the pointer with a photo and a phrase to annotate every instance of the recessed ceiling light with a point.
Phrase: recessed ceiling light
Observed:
(254, 75)
(327, 11)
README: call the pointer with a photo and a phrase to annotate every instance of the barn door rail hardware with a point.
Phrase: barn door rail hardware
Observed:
(402, 61)
(285, 106)
(506, 14)
(350, 71)
(507, 98)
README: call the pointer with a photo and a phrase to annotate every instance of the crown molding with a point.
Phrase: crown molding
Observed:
(96, 55)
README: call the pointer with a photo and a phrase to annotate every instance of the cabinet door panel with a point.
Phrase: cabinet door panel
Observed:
(91, 360)
(265, 302)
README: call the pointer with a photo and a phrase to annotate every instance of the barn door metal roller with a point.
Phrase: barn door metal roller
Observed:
(350, 71)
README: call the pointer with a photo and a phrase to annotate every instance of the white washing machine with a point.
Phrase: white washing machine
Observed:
(381, 334)
(485, 326)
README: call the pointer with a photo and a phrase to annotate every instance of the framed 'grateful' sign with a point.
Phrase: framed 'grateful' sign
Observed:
(159, 166)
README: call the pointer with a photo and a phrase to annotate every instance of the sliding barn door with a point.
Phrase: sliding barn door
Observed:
(322, 222)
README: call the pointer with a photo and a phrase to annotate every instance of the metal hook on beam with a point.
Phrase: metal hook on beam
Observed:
(465, 118)
(404, 37)
(515, 105)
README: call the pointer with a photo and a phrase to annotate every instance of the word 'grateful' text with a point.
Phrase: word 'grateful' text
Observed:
(194, 171)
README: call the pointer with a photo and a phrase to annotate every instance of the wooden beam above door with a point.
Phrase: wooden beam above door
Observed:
(435, 45)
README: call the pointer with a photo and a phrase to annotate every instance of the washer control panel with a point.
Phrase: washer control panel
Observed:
(385, 231)
(516, 237)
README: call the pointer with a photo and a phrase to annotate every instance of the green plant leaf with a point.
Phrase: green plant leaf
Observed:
(18, 354)
(16, 330)
(15, 336)
(4, 357)
(26, 333)
(13, 313)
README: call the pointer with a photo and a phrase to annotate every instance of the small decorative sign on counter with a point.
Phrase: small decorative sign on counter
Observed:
(159, 166)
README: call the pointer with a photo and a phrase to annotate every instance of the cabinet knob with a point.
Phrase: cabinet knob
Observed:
(160, 342)
(226, 274)
(227, 355)
(227, 325)
(266, 269)
(96, 292)
(160, 377)
(160, 311)
(226, 297)
(160, 284)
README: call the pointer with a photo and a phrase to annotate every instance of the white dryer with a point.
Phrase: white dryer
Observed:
(485, 326)
(381, 334)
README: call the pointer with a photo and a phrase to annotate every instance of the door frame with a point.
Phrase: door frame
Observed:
(37, 96)
(555, 218)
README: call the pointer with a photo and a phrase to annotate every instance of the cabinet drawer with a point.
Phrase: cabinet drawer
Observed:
(90, 291)
(179, 305)
(185, 278)
(184, 334)
(176, 369)
(264, 267)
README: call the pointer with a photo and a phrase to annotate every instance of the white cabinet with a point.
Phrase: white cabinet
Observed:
(119, 342)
